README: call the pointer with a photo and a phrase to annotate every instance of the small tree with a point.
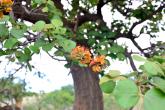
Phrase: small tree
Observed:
(11, 93)
(82, 37)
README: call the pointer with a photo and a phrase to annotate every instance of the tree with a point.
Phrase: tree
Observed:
(82, 37)
(11, 92)
(60, 99)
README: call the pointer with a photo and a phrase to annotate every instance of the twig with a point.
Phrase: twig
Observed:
(139, 48)
(18, 69)
(128, 55)
(55, 58)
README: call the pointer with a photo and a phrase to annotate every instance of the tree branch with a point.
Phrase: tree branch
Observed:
(142, 20)
(59, 5)
(22, 12)
(128, 55)
(124, 13)
(55, 58)
(139, 48)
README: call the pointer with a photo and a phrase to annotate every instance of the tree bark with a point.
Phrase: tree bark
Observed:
(88, 95)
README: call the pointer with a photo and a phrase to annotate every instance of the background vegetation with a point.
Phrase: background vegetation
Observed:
(62, 99)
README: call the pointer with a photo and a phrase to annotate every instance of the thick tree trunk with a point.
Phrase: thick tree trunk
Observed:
(88, 95)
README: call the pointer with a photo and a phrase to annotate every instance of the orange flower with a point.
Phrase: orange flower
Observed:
(96, 68)
(1, 14)
(6, 2)
(98, 60)
(5, 6)
(98, 63)
(81, 54)
(8, 9)
(86, 59)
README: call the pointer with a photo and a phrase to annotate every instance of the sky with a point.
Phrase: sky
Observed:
(57, 75)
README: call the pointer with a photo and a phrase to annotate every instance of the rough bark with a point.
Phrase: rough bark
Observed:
(88, 95)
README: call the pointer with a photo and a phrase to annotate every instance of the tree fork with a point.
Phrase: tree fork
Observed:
(88, 95)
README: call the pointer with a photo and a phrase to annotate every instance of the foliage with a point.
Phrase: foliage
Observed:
(55, 100)
(10, 90)
(58, 100)
(149, 84)
(61, 31)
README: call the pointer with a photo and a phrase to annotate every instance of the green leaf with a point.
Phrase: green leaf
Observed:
(3, 30)
(22, 57)
(57, 22)
(159, 83)
(38, 26)
(102, 52)
(111, 34)
(126, 93)
(50, 2)
(138, 58)
(154, 99)
(45, 9)
(2, 53)
(5, 18)
(9, 43)
(9, 51)
(121, 56)
(67, 45)
(116, 49)
(48, 26)
(29, 66)
(159, 59)
(93, 2)
(59, 30)
(47, 47)
(112, 55)
(40, 43)
(152, 68)
(18, 33)
(59, 53)
(139, 13)
(103, 79)
(27, 51)
(35, 49)
(108, 87)
(114, 73)
(39, 1)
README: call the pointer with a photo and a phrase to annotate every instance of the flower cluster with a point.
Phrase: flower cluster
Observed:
(83, 55)
(5, 7)
(98, 63)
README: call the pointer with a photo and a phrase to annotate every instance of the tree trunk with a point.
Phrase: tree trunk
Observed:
(18, 103)
(88, 95)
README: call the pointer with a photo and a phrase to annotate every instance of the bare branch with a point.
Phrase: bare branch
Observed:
(128, 55)
(18, 69)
